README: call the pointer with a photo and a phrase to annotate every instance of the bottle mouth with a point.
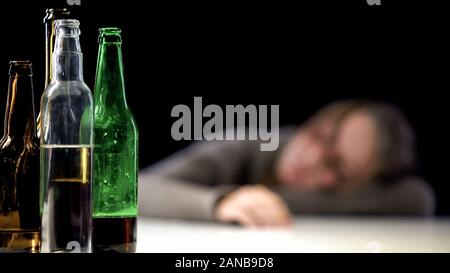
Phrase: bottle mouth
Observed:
(67, 27)
(67, 23)
(110, 35)
(109, 30)
(19, 63)
(57, 12)
(20, 67)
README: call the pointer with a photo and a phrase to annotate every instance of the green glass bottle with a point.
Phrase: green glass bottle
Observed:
(115, 152)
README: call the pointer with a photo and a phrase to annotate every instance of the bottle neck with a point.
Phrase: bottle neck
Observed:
(20, 113)
(67, 59)
(49, 21)
(109, 81)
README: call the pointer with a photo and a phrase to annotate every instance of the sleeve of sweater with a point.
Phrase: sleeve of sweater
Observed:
(408, 196)
(188, 184)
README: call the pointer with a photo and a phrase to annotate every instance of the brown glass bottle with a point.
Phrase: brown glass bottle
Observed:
(19, 166)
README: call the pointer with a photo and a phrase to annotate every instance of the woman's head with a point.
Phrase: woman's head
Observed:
(347, 143)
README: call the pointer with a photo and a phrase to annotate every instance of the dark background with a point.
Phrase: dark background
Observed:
(300, 57)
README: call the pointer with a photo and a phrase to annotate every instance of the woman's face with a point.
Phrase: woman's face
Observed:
(331, 155)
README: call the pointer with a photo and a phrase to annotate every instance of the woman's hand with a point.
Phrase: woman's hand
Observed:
(253, 206)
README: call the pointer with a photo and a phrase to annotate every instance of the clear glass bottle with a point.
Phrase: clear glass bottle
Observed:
(116, 152)
(66, 148)
(19, 166)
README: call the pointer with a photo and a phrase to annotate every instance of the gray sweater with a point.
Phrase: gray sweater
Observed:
(188, 184)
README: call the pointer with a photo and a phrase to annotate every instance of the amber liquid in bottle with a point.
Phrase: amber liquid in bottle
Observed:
(66, 148)
(19, 166)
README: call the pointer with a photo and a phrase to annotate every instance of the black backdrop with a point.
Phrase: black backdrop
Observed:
(299, 57)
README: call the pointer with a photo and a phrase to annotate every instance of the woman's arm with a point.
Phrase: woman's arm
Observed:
(188, 184)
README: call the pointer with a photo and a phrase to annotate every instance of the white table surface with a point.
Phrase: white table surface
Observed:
(308, 234)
